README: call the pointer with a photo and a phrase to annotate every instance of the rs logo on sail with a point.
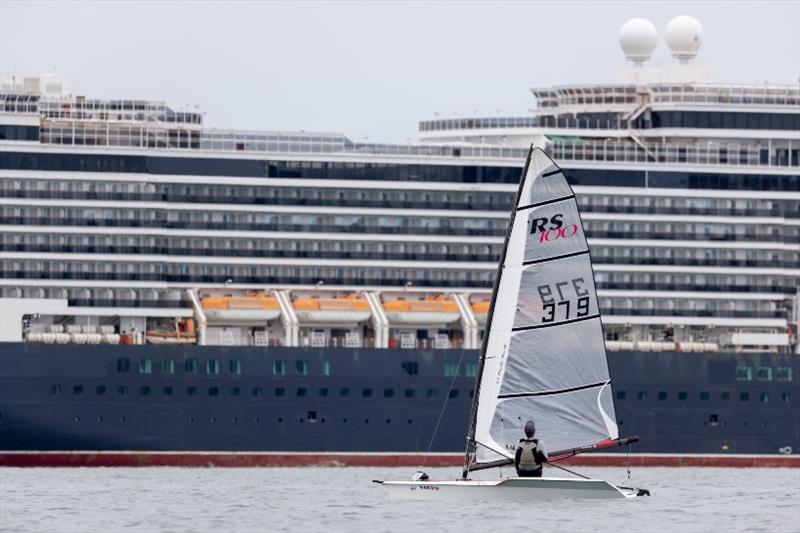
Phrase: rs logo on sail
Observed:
(553, 228)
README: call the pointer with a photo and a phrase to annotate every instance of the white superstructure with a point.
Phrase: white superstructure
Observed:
(128, 214)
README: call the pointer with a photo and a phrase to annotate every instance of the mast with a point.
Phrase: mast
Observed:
(470, 449)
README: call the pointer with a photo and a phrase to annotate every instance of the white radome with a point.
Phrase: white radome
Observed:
(684, 37)
(638, 38)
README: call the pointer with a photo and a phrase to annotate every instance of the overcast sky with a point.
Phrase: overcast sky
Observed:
(368, 69)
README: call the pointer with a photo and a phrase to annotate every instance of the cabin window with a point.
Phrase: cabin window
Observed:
(641, 395)
(100, 390)
(279, 392)
(212, 366)
(410, 368)
(430, 393)
(235, 366)
(257, 392)
(168, 366)
(344, 392)
(191, 391)
(450, 369)
(784, 373)
(366, 393)
(236, 391)
(326, 368)
(190, 366)
(704, 396)
(713, 419)
(764, 373)
(786, 397)
(146, 366)
(301, 367)
(471, 370)
(323, 392)
(213, 391)
(744, 397)
(453, 393)
(278, 367)
(301, 392)
(122, 390)
(662, 395)
(744, 373)
(145, 390)
(764, 397)
(620, 395)
(55, 390)
(724, 396)
(77, 389)
(123, 364)
(167, 391)
(683, 396)
(410, 393)
(388, 393)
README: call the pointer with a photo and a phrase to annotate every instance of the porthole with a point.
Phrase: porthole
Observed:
(77, 419)
(257, 420)
(99, 418)
(122, 419)
(213, 419)
(234, 419)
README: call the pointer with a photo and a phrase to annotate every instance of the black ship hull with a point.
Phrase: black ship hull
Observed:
(214, 398)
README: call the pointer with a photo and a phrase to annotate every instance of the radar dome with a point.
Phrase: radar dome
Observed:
(638, 38)
(684, 37)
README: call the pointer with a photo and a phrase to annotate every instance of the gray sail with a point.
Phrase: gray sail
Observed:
(544, 358)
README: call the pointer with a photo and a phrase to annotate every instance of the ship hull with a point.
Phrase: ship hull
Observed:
(80, 397)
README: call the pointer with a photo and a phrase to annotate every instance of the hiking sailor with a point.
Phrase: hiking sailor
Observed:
(531, 453)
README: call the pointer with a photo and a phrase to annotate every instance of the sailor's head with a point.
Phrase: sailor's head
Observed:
(530, 429)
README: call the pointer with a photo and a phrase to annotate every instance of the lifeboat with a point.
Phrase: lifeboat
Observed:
(183, 333)
(255, 307)
(481, 311)
(431, 310)
(341, 309)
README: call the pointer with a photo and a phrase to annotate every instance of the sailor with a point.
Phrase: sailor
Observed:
(531, 453)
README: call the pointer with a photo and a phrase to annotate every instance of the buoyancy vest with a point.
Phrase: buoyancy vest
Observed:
(531, 457)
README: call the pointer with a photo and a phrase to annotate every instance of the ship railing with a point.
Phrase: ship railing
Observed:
(369, 342)
(584, 95)
(786, 155)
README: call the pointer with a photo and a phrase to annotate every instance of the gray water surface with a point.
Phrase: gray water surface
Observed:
(344, 499)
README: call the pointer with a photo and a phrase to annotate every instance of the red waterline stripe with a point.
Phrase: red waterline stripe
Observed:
(336, 459)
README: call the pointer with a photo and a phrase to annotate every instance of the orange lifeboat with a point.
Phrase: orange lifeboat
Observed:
(432, 310)
(481, 310)
(343, 308)
(253, 307)
(183, 333)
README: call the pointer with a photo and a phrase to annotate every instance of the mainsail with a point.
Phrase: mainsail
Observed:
(544, 355)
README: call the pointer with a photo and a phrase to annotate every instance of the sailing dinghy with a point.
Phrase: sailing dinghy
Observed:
(543, 357)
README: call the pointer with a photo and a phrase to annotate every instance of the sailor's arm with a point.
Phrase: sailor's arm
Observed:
(543, 451)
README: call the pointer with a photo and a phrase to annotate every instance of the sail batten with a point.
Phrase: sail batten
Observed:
(549, 392)
(544, 355)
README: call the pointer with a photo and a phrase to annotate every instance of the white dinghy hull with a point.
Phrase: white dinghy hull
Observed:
(511, 489)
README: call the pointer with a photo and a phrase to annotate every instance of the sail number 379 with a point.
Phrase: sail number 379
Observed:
(572, 297)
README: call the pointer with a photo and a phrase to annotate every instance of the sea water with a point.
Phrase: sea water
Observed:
(345, 499)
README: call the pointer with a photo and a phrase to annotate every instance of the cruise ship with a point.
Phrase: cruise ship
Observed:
(170, 286)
